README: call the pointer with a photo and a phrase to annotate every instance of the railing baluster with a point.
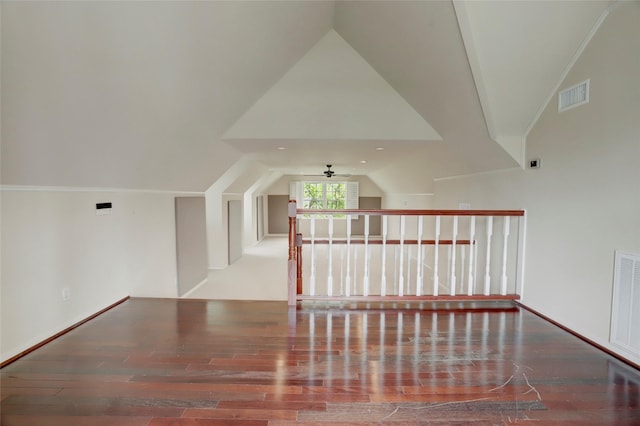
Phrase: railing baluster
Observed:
(505, 236)
(341, 270)
(475, 268)
(383, 281)
(435, 257)
(422, 263)
(452, 288)
(401, 266)
(419, 260)
(298, 263)
(365, 284)
(395, 270)
(463, 253)
(487, 268)
(355, 271)
(449, 267)
(472, 235)
(312, 278)
(407, 290)
(330, 260)
(347, 284)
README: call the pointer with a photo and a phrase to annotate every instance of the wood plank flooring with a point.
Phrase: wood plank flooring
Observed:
(195, 362)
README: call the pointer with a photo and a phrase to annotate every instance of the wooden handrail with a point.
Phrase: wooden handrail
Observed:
(399, 212)
(389, 242)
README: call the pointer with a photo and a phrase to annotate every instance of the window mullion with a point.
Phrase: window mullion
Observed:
(324, 195)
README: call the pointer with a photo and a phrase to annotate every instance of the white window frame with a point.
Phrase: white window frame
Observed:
(296, 192)
(323, 198)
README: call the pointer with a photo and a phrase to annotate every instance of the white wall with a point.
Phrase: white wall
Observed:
(257, 189)
(216, 229)
(408, 201)
(584, 202)
(239, 176)
(53, 239)
(249, 217)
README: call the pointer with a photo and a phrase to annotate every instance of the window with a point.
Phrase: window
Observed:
(329, 196)
(325, 195)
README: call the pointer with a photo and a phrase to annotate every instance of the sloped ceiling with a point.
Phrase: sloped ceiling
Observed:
(166, 95)
(138, 94)
(332, 93)
(533, 40)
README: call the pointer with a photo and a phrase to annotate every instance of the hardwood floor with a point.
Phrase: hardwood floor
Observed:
(194, 362)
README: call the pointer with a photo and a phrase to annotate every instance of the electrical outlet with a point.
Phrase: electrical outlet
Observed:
(66, 294)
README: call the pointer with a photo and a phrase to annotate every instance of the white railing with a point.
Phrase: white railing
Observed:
(405, 254)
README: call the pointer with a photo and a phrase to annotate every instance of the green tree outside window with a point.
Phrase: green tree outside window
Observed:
(325, 196)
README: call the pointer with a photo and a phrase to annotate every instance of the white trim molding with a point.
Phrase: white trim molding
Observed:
(34, 188)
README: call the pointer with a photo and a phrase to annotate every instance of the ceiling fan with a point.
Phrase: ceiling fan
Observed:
(329, 173)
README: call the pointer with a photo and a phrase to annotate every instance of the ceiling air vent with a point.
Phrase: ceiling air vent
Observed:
(574, 96)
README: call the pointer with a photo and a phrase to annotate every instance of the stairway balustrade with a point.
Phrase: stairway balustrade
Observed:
(408, 255)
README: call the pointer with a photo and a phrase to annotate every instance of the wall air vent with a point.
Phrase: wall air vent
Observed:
(625, 312)
(574, 96)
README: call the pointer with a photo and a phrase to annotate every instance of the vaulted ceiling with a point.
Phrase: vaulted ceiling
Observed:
(173, 95)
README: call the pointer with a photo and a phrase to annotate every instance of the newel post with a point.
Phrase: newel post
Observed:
(292, 260)
(299, 263)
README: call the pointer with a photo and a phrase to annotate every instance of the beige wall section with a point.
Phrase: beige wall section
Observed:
(583, 203)
(53, 239)
(191, 242)
(278, 214)
(375, 222)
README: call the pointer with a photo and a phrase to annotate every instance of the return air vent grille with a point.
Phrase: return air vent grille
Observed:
(625, 312)
(574, 96)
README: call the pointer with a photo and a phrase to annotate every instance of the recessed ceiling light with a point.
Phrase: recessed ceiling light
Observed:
(379, 148)
(281, 148)
(363, 161)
